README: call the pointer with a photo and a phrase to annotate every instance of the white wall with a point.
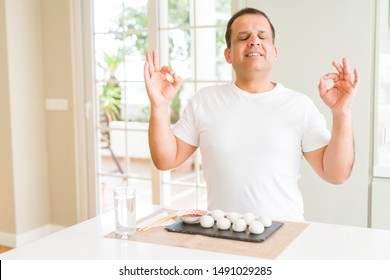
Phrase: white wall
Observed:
(38, 187)
(309, 35)
(28, 133)
(7, 206)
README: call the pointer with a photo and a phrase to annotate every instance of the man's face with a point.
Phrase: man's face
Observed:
(252, 49)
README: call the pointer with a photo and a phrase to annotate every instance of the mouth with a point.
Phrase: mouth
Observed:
(253, 54)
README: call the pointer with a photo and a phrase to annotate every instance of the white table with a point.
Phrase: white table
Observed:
(87, 241)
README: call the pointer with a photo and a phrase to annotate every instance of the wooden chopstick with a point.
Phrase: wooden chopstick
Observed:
(158, 222)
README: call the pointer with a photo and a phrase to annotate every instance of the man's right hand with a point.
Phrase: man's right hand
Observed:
(160, 90)
(167, 151)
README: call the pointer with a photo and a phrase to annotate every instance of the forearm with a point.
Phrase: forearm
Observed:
(339, 155)
(162, 141)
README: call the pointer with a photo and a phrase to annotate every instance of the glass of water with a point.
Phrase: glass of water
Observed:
(125, 216)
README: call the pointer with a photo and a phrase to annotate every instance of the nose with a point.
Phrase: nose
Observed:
(254, 41)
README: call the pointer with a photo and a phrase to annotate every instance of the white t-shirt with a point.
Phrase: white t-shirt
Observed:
(252, 146)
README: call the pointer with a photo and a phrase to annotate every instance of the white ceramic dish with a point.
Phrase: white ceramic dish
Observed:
(192, 216)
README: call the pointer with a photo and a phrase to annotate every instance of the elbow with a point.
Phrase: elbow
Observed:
(338, 180)
(161, 165)
(161, 168)
(337, 175)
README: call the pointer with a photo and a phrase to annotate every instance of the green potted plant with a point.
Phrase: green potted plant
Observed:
(175, 108)
(111, 94)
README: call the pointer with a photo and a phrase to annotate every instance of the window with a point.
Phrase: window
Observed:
(191, 41)
(189, 35)
(382, 133)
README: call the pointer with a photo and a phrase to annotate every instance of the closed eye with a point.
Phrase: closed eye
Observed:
(243, 36)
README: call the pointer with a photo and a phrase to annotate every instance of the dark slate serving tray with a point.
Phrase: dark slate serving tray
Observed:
(182, 227)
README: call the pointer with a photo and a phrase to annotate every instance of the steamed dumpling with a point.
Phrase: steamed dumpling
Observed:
(223, 223)
(256, 227)
(266, 221)
(216, 214)
(249, 218)
(232, 216)
(239, 225)
(206, 221)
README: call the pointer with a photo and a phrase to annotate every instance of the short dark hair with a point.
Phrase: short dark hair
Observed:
(245, 11)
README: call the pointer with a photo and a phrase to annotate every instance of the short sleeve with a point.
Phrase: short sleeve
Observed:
(315, 133)
(186, 128)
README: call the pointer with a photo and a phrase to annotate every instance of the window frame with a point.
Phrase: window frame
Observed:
(89, 197)
(380, 171)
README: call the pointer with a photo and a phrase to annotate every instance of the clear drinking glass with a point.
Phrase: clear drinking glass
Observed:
(125, 216)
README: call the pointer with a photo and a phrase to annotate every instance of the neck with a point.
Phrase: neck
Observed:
(255, 86)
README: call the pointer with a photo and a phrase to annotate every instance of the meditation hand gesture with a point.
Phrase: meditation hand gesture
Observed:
(160, 89)
(339, 98)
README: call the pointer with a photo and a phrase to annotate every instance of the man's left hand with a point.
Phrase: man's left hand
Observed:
(339, 98)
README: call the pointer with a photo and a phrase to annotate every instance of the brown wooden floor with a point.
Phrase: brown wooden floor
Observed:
(4, 249)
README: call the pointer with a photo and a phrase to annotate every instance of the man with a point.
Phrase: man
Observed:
(252, 133)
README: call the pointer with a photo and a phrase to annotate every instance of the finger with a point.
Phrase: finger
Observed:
(149, 59)
(357, 78)
(155, 60)
(176, 81)
(146, 72)
(338, 67)
(167, 70)
(332, 76)
(346, 71)
(322, 87)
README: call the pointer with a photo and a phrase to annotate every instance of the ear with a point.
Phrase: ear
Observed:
(276, 52)
(227, 55)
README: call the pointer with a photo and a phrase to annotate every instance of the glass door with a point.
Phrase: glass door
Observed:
(123, 31)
